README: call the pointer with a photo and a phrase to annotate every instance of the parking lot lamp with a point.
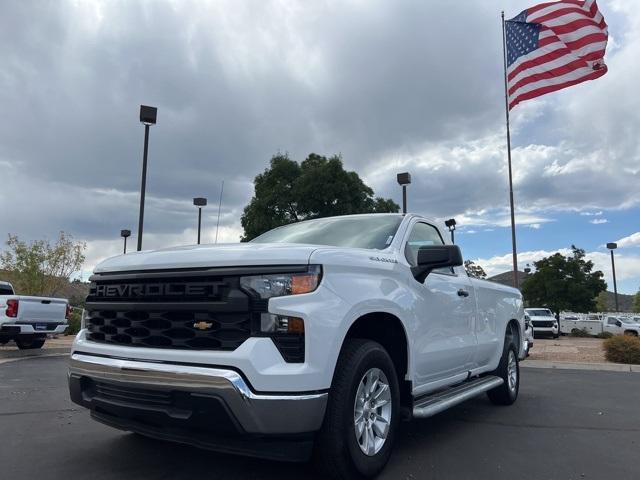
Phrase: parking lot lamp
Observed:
(451, 225)
(147, 118)
(125, 234)
(404, 179)
(612, 246)
(199, 202)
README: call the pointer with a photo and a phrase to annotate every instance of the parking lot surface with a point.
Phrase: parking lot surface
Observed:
(565, 425)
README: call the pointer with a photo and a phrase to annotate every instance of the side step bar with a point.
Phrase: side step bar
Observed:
(443, 400)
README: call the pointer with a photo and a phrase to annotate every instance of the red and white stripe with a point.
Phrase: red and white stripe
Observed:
(572, 43)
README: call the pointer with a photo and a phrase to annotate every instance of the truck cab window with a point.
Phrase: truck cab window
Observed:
(423, 234)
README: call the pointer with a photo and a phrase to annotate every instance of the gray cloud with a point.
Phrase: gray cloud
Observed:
(388, 85)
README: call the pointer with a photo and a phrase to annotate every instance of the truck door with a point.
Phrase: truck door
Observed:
(445, 342)
(613, 325)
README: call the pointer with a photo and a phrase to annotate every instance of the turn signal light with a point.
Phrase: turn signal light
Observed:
(12, 308)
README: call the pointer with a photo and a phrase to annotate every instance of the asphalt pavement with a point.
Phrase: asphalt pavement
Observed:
(567, 424)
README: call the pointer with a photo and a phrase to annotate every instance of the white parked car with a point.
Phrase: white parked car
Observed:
(544, 322)
(28, 320)
(316, 335)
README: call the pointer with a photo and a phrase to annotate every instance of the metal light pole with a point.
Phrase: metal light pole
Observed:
(612, 246)
(199, 202)
(404, 179)
(125, 234)
(147, 118)
(451, 225)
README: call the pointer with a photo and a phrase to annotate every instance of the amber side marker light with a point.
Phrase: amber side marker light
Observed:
(304, 283)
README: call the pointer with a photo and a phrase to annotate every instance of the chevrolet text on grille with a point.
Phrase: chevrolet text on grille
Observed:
(209, 289)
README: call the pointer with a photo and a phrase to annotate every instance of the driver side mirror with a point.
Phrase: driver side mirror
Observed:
(619, 323)
(431, 257)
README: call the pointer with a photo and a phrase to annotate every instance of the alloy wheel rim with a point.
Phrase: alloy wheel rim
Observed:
(372, 411)
(512, 371)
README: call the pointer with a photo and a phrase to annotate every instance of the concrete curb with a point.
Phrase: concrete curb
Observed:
(17, 359)
(603, 367)
(33, 353)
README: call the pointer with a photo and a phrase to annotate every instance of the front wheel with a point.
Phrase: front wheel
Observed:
(509, 370)
(362, 414)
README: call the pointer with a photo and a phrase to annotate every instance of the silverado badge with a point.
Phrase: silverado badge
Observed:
(203, 325)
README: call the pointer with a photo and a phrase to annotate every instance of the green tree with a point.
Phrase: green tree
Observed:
(602, 303)
(564, 283)
(39, 267)
(474, 270)
(289, 191)
(636, 302)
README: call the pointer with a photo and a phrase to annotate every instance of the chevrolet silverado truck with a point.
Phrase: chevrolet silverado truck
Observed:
(543, 321)
(314, 340)
(28, 320)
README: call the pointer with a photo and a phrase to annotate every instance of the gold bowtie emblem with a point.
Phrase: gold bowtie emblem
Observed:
(202, 325)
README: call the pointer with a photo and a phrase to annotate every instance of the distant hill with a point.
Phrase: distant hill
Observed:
(506, 278)
(625, 302)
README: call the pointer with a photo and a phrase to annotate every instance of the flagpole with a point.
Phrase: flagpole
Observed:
(506, 104)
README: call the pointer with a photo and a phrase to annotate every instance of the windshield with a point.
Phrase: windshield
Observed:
(629, 320)
(370, 231)
(539, 312)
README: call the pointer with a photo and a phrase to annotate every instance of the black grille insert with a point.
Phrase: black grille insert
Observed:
(204, 312)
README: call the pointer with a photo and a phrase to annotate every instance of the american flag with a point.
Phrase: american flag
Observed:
(552, 46)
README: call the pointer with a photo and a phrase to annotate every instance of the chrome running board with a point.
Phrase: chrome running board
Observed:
(438, 402)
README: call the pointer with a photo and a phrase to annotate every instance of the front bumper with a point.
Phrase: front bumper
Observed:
(31, 328)
(545, 331)
(178, 394)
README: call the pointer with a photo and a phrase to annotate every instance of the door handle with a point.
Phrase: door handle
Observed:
(463, 293)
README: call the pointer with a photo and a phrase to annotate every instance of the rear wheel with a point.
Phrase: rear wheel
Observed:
(362, 414)
(29, 342)
(509, 370)
(631, 333)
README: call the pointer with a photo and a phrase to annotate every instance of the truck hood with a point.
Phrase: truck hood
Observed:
(221, 255)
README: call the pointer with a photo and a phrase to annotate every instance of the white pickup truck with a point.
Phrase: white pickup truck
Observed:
(28, 320)
(314, 339)
(597, 324)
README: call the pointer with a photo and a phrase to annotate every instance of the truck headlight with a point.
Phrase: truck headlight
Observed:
(280, 284)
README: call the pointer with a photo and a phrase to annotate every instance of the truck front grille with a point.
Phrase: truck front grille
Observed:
(198, 330)
(542, 323)
(199, 312)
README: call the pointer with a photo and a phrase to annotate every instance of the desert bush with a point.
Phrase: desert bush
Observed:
(74, 322)
(580, 333)
(622, 349)
(604, 335)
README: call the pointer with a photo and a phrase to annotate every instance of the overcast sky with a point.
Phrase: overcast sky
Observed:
(389, 85)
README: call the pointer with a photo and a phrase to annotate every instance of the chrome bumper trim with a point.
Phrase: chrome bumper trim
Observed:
(256, 413)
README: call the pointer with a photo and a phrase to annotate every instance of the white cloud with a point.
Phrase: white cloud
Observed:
(591, 214)
(627, 266)
(632, 240)
(534, 226)
(599, 221)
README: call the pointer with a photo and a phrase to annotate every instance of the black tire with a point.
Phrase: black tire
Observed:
(506, 394)
(337, 450)
(556, 336)
(29, 343)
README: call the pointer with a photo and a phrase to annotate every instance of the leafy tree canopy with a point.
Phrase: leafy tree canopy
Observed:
(39, 267)
(474, 270)
(602, 302)
(289, 191)
(564, 283)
